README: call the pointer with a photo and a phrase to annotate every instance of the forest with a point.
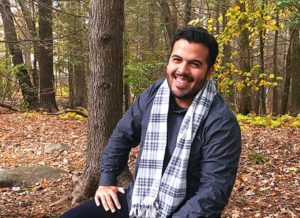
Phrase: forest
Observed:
(69, 69)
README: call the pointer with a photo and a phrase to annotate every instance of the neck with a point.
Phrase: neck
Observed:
(184, 103)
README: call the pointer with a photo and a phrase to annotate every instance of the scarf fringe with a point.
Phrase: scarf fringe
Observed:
(144, 211)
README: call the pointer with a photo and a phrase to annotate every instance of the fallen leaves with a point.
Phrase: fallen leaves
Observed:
(267, 183)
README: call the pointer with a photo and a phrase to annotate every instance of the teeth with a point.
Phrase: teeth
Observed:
(181, 80)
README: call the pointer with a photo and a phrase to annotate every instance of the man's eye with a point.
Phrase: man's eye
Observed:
(196, 65)
(176, 60)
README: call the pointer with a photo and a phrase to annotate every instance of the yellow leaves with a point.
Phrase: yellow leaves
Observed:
(271, 76)
(71, 115)
(210, 28)
(234, 55)
(247, 74)
(194, 22)
(240, 86)
(262, 75)
(268, 121)
(256, 14)
(30, 114)
(210, 21)
(293, 170)
(268, 18)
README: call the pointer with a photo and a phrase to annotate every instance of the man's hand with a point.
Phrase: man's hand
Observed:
(107, 195)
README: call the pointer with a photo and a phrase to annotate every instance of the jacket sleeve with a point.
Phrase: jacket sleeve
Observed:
(220, 156)
(125, 136)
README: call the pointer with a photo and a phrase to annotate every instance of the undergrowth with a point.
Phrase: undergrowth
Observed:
(246, 122)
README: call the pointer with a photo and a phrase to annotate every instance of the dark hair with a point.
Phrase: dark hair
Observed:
(197, 34)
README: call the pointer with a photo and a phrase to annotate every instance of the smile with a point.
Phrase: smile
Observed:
(181, 81)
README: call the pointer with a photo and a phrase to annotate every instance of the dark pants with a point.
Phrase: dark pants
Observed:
(89, 209)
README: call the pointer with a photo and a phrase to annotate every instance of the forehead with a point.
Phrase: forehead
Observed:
(188, 49)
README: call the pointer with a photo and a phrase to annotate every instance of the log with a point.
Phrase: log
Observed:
(10, 107)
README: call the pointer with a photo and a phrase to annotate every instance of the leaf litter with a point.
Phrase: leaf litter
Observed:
(267, 183)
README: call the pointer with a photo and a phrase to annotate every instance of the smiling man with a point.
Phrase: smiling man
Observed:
(190, 143)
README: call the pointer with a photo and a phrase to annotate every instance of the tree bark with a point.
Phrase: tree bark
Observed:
(245, 105)
(287, 81)
(30, 23)
(187, 11)
(105, 86)
(275, 103)
(151, 26)
(262, 93)
(166, 14)
(77, 59)
(47, 89)
(28, 92)
(70, 82)
(295, 70)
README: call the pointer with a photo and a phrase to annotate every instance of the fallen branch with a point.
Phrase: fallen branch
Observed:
(70, 110)
(10, 107)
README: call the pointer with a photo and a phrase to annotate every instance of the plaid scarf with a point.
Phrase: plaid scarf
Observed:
(156, 195)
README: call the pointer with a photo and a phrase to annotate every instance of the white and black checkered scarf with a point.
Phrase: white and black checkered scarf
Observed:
(157, 195)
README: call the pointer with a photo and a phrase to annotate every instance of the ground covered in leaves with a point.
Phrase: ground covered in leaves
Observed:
(267, 183)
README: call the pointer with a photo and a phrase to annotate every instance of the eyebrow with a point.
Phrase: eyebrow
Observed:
(176, 56)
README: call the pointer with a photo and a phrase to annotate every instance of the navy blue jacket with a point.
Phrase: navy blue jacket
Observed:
(213, 160)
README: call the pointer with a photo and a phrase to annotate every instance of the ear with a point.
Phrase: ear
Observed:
(209, 73)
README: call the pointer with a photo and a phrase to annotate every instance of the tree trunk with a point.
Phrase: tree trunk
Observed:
(105, 86)
(295, 70)
(80, 90)
(77, 58)
(28, 91)
(287, 81)
(229, 96)
(262, 93)
(187, 11)
(70, 82)
(30, 22)
(151, 26)
(275, 102)
(166, 14)
(245, 105)
(47, 90)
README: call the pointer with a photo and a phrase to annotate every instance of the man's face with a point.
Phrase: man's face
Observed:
(187, 71)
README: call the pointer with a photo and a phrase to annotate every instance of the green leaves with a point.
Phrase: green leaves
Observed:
(138, 76)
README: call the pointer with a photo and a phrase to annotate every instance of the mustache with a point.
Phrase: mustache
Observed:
(184, 75)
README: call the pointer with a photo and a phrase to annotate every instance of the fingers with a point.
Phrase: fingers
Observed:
(108, 197)
(97, 200)
(105, 204)
(121, 189)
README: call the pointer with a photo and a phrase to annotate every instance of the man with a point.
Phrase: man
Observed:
(189, 140)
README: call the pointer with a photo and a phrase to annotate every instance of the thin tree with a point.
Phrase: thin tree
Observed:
(187, 11)
(275, 103)
(28, 91)
(245, 105)
(28, 13)
(47, 89)
(287, 80)
(295, 69)
(261, 104)
(104, 86)
(170, 22)
(77, 73)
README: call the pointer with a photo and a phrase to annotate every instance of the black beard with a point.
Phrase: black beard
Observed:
(190, 94)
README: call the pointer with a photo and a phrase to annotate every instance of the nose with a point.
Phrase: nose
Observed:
(183, 68)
